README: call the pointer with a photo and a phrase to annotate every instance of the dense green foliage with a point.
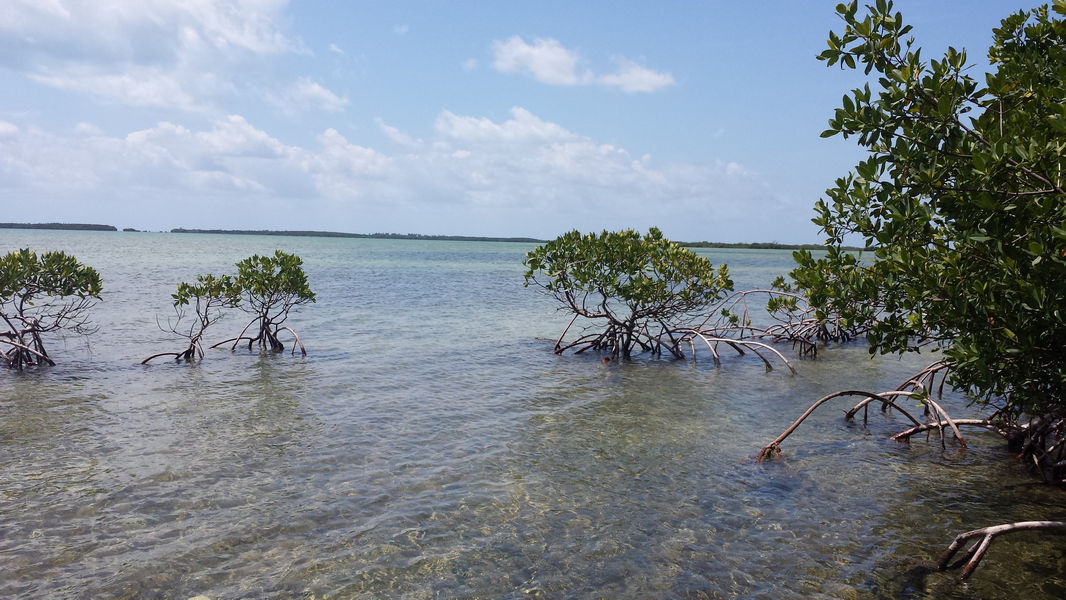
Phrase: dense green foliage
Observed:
(962, 196)
(270, 287)
(639, 285)
(39, 294)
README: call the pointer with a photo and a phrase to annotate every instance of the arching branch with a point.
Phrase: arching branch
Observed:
(774, 447)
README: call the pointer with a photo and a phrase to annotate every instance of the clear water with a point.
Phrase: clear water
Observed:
(432, 446)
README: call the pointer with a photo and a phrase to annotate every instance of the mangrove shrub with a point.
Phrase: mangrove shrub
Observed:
(635, 289)
(961, 193)
(270, 287)
(40, 294)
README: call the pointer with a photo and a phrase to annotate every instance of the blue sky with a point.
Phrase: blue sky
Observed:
(456, 118)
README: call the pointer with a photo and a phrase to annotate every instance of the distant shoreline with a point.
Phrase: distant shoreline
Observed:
(339, 234)
(397, 236)
(61, 226)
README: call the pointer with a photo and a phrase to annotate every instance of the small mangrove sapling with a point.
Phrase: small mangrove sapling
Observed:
(270, 287)
(209, 296)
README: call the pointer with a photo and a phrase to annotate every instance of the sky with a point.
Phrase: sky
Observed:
(433, 117)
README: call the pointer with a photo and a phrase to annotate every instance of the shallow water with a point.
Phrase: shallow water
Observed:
(431, 445)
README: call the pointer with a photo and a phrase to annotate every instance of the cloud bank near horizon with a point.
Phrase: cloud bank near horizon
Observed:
(496, 177)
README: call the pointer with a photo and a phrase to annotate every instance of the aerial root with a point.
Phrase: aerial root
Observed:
(919, 386)
(267, 338)
(739, 345)
(985, 423)
(1043, 441)
(973, 555)
(21, 354)
(303, 350)
(774, 447)
(193, 351)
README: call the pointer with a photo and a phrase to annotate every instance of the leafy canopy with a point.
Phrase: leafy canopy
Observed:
(24, 275)
(39, 294)
(648, 276)
(962, 195)
(625, 278)
(219, 291)
(273, 285)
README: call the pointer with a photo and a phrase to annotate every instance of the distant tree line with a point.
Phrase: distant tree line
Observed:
(338, 234)
(396, 236)
(63, 226)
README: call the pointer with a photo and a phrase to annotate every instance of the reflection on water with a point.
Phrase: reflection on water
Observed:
(431, 445)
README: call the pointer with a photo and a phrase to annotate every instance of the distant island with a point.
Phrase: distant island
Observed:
(63, 226)
(398, 236)
(338, 234)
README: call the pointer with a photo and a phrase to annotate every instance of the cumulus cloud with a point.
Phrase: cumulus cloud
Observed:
(397, 136)
(164, 53)
(306, 95)
(632, 77)
(523, 126)
(549, 62)
(545, 59)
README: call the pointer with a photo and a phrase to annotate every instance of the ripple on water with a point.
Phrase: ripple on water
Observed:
(431, 445)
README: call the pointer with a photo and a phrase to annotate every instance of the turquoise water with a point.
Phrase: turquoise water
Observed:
(432, 446)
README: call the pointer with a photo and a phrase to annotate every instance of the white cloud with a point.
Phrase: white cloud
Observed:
(334, 48)
(138, 86)
(306, 95)
(632, 77)
(341, 169)
(234, 136)
(8, 129)
(547, 61)
(401, 29)
(396, 135)
(470, 64)
(163, 53)
(524, 126)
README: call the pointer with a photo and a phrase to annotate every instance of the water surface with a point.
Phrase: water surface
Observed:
(432, 446)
